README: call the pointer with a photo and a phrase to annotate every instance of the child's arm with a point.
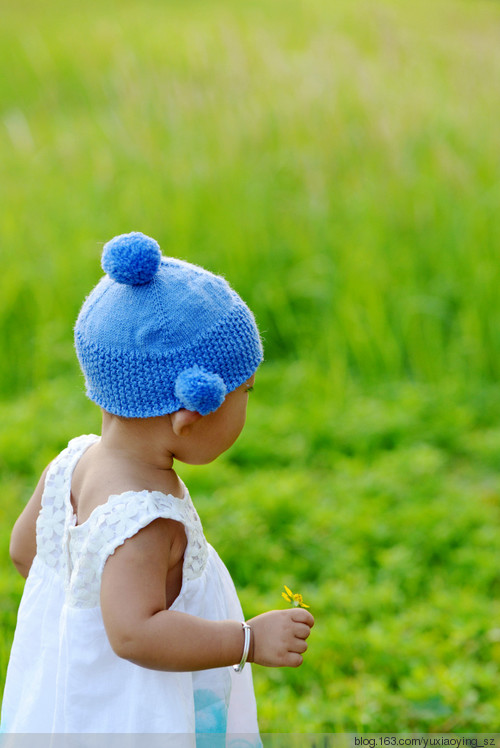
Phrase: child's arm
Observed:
(22, 547)
(142, 630)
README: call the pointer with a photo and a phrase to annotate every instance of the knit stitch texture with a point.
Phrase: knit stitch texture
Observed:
(136, 340)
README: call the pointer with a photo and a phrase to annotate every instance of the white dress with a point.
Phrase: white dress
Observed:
(63, 676)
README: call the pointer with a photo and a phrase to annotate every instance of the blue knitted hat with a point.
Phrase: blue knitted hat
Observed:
(158, 334)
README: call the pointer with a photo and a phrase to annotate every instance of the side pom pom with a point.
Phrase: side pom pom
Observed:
(132, 259)
(200, 390)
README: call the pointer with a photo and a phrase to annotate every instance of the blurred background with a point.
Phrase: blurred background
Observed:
(338, 162)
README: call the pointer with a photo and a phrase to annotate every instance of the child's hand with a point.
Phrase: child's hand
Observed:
(279, 637)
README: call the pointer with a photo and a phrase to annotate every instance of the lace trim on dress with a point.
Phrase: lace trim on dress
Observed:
(56, 513)
(119, 519)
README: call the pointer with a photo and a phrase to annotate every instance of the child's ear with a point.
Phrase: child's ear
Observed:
(182, 420)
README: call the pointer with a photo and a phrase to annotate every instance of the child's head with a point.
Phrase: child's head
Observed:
(157, 335)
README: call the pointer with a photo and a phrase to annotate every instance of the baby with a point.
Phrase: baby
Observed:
(129, 621)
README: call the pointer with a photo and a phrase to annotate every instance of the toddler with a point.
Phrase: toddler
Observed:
(129, 621)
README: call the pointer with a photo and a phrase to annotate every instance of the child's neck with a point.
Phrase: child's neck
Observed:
(142, 440)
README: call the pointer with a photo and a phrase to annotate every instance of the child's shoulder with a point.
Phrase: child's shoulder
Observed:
(100, 474)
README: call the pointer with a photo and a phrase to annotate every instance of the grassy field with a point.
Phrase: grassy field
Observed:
(338, 162)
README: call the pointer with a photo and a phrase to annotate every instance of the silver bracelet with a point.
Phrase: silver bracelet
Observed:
(246, 648)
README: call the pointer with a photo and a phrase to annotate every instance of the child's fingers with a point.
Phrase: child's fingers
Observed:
(300, 646)
(300, 615)
(294, 659)
(302, 630)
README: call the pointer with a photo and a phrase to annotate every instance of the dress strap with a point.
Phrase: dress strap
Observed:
(111, 524)
(58, 478)
(56, 514)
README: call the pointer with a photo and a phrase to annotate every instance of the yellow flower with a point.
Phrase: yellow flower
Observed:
(294, 598)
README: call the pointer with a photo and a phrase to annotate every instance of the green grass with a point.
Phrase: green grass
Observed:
(388, 525)
(338, 162)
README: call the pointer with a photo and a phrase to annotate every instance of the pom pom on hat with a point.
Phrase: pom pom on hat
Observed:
(200, 390)
(132, 259)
